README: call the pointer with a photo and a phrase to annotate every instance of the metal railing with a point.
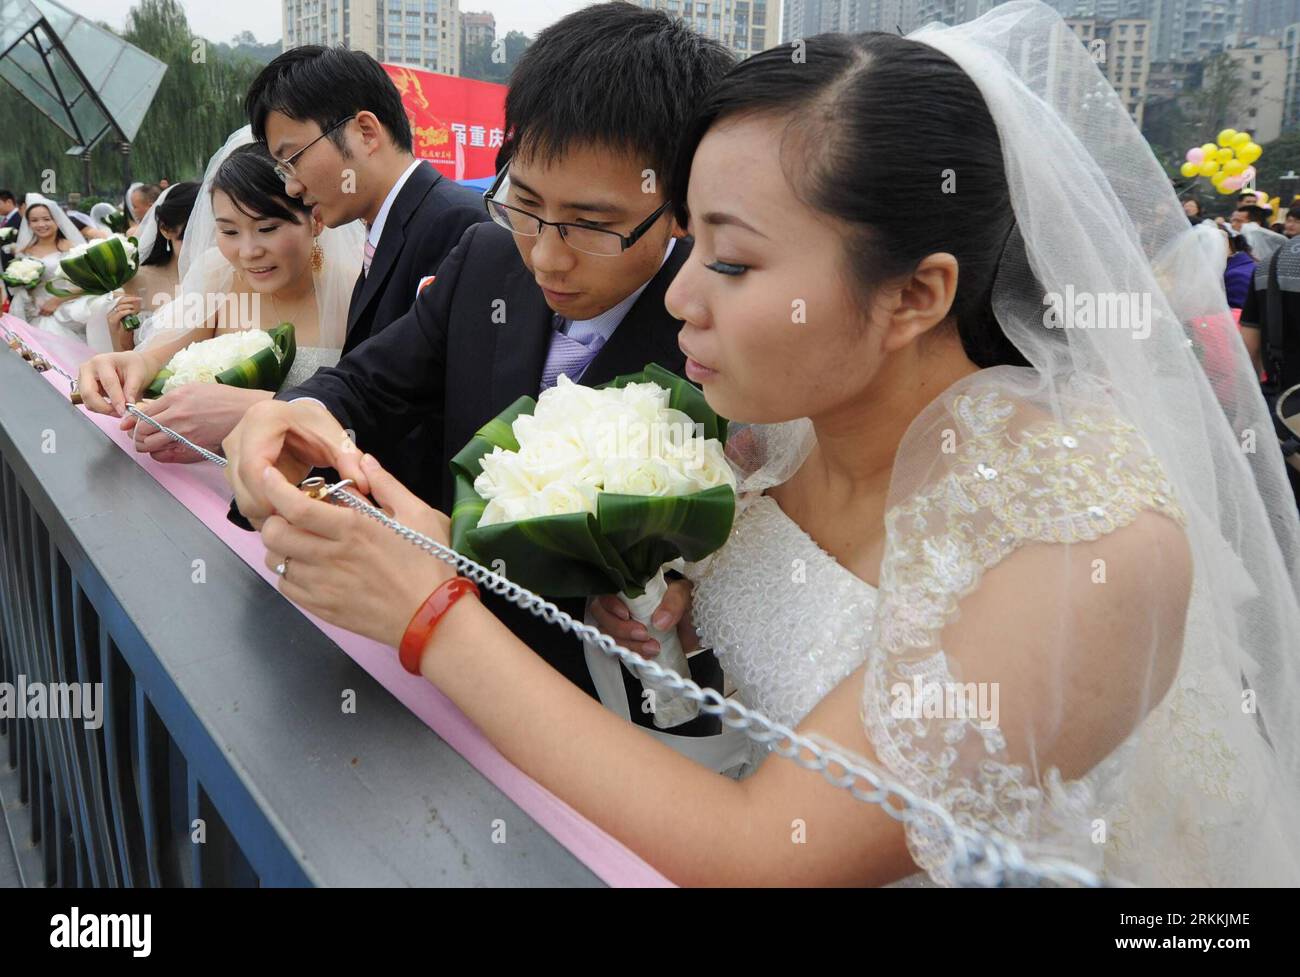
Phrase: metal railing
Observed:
(224, 756)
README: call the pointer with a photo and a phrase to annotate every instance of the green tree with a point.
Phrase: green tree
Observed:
(477, 62)
(197, 105)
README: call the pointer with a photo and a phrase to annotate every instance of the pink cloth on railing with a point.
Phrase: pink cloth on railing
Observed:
(202, 488)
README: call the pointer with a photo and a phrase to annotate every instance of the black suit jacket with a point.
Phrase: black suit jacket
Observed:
(425, 222)
(449, 367)
(427, 219)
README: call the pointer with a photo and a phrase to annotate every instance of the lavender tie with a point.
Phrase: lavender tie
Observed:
(569, 355)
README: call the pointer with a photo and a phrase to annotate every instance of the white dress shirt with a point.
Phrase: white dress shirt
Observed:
(376, 230)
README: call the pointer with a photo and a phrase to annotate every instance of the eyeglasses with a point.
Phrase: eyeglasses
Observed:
(284, 167)
(580, 237)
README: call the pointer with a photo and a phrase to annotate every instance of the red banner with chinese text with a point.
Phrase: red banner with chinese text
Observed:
(457, 123)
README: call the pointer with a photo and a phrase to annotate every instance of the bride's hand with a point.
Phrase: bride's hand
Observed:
(203, 412)
(110, 381)
(347, 568)
(613, 618)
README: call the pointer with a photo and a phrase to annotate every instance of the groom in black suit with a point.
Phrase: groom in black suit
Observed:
(569, 279)
(334, 121)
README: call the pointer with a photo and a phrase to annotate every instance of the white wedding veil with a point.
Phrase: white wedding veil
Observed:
(148, 235)
(1016, 464)
(99, 213)
(204, 272)
(61, 220)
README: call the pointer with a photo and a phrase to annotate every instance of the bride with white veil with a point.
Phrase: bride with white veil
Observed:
(252, 257)
(48, 234)
(1008, 536)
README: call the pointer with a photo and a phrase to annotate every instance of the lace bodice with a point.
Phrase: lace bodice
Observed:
(754, 601)
(306, 361)
(788, 623)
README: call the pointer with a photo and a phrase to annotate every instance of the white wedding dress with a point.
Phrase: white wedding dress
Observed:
(787, 622)
(68, 320)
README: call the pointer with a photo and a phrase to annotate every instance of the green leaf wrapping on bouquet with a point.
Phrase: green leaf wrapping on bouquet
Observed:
(264, 370)
(619, 547)
(63, 293)
(102, 267)
(117, 222)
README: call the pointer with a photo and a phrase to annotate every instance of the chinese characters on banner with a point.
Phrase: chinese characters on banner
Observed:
(456, 123)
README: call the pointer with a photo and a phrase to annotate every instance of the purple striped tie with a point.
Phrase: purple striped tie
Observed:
(567, 356)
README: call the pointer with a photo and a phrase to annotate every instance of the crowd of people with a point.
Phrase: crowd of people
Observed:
(1255, 245)
(930, 472)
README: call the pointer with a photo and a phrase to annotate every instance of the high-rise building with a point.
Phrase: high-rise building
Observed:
(804, 18)
(950, 12)
(1180, 29)
(1123, 55)
(1262, 67)
(1291, 91)
(1269, 17)
(420, 33)
(477, 29)
(741, 25)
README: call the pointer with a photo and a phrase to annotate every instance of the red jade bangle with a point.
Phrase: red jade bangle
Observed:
(427, 617)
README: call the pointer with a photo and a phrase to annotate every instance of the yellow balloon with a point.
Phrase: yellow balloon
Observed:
(1233, 167)
(1223, 155)
(1225, 137)
(1189, 170)
(1209, 149)
(1239, 140)
(1209, 167)
(1250, 152)
(1218, 179)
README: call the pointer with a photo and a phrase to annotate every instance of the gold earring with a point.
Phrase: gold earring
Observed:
(317, 256)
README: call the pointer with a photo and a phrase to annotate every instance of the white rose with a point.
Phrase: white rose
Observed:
(639, 477)
(554, 500)
(636, 394)
(557, 456)
(504, 476)
(566, 404)
(560, 498)
(705, 463)
(506, 509)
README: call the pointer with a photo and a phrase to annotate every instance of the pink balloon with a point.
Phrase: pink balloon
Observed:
(1232, 183)
(1196, 155)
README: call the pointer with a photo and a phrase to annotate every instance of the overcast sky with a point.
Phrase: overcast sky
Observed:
(222, 21)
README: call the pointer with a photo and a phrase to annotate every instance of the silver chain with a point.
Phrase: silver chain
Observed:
(974, 858)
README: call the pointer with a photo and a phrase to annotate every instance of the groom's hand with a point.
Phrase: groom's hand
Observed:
(614, 619)
(294, 437)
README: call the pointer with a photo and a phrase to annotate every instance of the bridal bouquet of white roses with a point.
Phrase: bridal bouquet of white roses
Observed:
(594, 490)
(24, 272)
(100, 267)
(249, 358)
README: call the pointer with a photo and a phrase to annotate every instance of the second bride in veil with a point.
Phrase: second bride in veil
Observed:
(253, 257)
